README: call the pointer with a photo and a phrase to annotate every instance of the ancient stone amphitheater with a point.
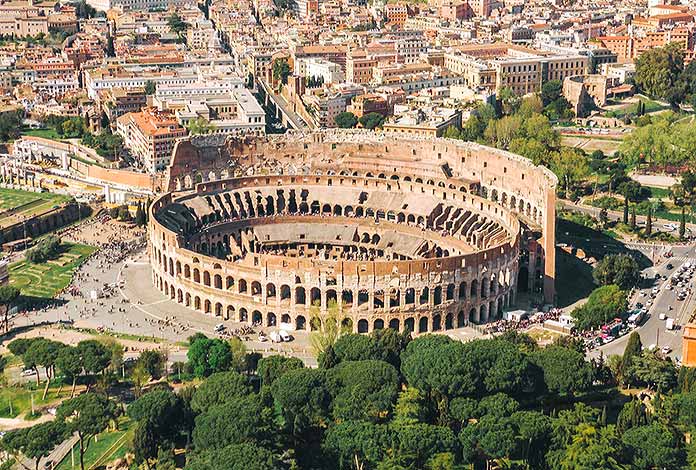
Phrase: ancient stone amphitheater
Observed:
(371, 230)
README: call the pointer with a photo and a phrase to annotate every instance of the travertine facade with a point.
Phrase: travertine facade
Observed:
(374, 230)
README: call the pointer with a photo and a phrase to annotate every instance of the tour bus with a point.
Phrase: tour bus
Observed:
(636, 318)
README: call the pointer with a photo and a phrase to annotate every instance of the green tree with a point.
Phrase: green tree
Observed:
(551, 91)
(654, 446)
(682, 224)
(633, 349)
(371, 120)
(346, 120)
(303, 398)
(570, 167)
(603, 304)
(357, 444)
(150, 87)
(245, 456)
(177, 25)
(593, 447)
(207, 356)
(632, 222)
(565, 370)
(95, 356)
(272, 367)
(281, 71)
(658, 73)
(618, 269)
(154, 363)
(648, 224)
(362, 390)
(218, 389)
(200, 126)
(239, 420)
(8, 296)
(86, 415)
(140, 219)
(654, 372)
(36, 442)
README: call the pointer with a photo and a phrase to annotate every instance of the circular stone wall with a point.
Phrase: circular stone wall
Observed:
(370, 240)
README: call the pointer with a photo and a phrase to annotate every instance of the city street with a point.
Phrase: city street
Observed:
(653, 331)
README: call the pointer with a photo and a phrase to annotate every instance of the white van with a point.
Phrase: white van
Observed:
(284, 335)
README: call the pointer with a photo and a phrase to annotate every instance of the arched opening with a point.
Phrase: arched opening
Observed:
(285, 318)
(423, 325)
(271, 319)
(362, 326)
(256, 317)
(449, 324)
(300, 298)
(217, 281)
(347, 325)
(347, 298)
(315, 296)
(409, 325)
(284, 292)
(437, 322)
(242, 286)
(315, 323)
(394, 324)
(461, 321)
(437, 295)
(206, 278)
(255, 288)
(243, 315)
(423, 299)
(450, 292)
(300, 322)
(378, 324)
(196, 275)
(207, 305)
(270, 291)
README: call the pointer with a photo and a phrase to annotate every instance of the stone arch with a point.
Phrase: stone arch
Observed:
(423, 325)
(217, 281)
(378, 324)
(363, 326)
(255, 288)
(242, 286)
(270, 319)
(300, 322)
(196, 275)
(394, 324)
(437, 322)
(270, 291)
(256, 318)
(461, 320)
(449, 321)
(300, 297)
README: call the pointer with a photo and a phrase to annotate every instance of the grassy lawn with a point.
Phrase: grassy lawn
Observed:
(45, 280)
(45, 133)
(27, 204)
(13, 198)
(109, 445)
(20, 399)
(650, 107)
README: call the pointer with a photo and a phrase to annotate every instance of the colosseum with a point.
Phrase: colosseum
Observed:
(371, 230)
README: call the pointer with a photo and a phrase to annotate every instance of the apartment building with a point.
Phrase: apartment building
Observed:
(359, 67)
(115, 102)
(150, 135)
(236, 112)
(396, 14)
(523, 70)
(191, 80)
(430, 121)
(315, 67)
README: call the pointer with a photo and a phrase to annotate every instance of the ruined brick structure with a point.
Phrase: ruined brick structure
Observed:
(373, 230)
